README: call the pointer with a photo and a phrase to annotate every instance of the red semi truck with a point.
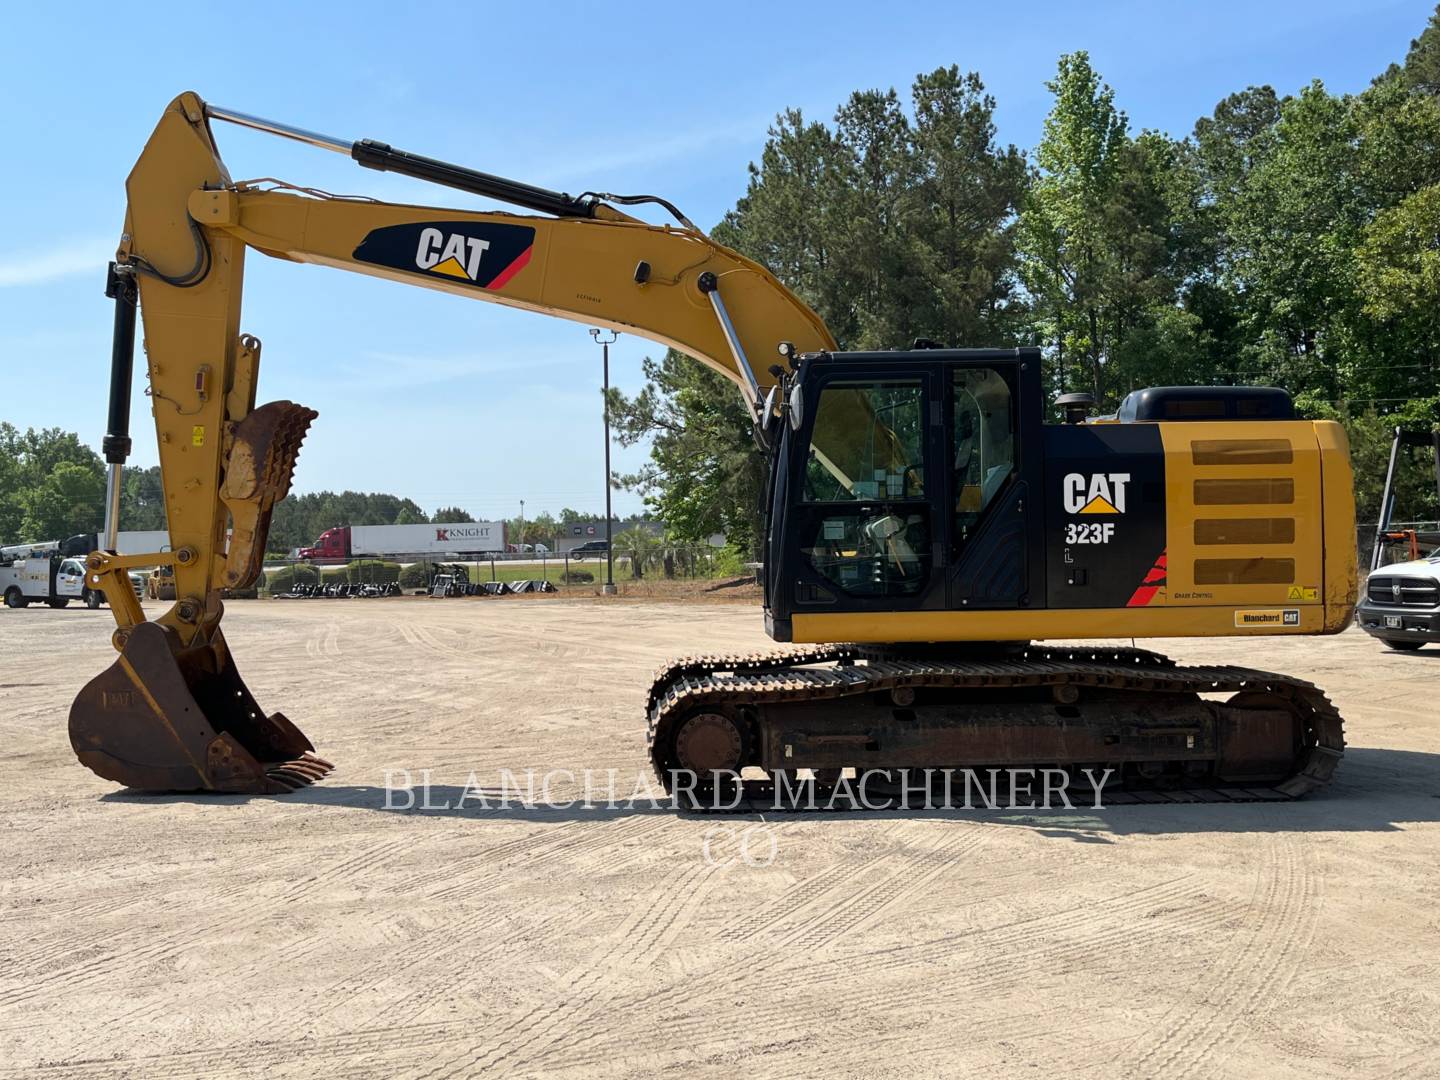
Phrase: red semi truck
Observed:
(439, 538)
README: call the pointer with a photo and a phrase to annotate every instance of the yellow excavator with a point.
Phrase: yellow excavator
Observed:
(926, 526)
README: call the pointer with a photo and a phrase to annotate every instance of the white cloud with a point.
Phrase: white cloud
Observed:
(66, 259)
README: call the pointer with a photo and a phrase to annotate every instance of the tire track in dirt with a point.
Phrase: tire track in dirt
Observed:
(324, 642)
(576, 842)
(859, 908)
(1016, 933)
(456, 933)
(793, 902)
(1256, 967)
(107, 951)
(368, 1047)
(477, 975)
(1014, 939)
(351, 867)
(137, 943)
(800, 895)
(257, 1058)
(342, 1051)
(641, 937)
(46, 950)
(850, 988)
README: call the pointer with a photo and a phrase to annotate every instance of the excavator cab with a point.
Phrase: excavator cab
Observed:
(920, 496)
(898, 485)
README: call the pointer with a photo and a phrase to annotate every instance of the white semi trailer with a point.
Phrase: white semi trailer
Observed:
(454, 538)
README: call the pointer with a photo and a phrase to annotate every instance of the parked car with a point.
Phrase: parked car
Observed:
(590, 547)
(1401, 604)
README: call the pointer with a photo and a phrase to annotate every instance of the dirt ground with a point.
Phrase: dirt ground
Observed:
(322, 934)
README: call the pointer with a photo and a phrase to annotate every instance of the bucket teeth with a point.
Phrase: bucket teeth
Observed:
(258, 472)
(297, 773)
(301, 767)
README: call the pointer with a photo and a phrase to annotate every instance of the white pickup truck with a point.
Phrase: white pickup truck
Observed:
(1401, 604)
(52, 580)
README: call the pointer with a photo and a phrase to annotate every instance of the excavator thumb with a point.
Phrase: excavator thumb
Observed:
(258, 472)
(168, 718)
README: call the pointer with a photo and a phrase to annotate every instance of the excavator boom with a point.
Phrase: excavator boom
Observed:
(173, 712)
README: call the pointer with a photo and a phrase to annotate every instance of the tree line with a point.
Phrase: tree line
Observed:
(52, 486)
(1286, 240)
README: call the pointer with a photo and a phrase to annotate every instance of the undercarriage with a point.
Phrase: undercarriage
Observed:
(1147, 728)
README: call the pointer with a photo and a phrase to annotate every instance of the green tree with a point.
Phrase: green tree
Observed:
(142, 499)
(891, 227)
(639, 547)
(1068, 239)
(1421, 69)
(704, 474)
(70, 500)
(451, 513)
(51, 485)
(967, 189)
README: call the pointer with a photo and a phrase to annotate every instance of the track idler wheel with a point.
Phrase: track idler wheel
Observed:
(164, 717)
(710, 748)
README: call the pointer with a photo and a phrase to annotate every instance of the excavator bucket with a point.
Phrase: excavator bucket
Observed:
(168, 718)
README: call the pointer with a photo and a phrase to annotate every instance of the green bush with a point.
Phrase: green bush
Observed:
(578, 577)
(416, 575)
(285, 579)
(363, 572)
(728, 563)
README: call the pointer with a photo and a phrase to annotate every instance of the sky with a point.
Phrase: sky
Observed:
(471, 404)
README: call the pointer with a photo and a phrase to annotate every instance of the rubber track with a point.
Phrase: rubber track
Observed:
(757, 678)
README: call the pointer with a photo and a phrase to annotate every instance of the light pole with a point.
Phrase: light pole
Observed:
(605, 343)
(520, 540)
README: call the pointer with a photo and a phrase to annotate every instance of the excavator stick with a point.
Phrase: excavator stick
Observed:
(164, 717)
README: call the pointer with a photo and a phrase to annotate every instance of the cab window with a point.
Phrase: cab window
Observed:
(870, 535)
(983, 443)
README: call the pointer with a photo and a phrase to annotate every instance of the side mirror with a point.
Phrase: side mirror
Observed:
(797, 406)
(765, 421)
(772, 399)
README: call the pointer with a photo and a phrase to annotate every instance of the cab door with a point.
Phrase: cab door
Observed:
(70, 579)
(862, 532)
(994, 558)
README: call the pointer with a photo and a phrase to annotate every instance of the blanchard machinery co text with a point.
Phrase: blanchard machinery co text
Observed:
(1032, 788)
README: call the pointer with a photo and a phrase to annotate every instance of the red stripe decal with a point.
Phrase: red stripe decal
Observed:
(510, 271)
(1153, 583)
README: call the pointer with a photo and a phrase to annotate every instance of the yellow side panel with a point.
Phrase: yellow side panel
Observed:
(1243, 515)
(1260, 521)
